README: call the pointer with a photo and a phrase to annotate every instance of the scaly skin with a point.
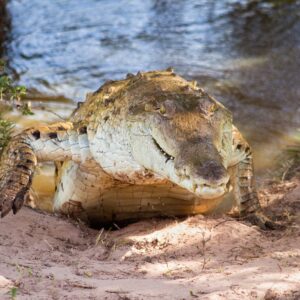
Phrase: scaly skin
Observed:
(151, 144)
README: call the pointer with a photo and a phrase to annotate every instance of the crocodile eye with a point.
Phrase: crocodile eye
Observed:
(162, 109)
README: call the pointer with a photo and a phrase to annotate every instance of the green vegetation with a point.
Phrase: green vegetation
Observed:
(293, 156)
(6, 128)
(13, 293)
(10, 93)
(288, 165)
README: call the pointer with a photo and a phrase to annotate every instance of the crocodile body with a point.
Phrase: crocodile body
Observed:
(152, 144)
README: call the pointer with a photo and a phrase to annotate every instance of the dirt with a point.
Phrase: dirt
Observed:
(44, 256)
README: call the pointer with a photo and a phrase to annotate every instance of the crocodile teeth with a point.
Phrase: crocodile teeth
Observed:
(168, 156)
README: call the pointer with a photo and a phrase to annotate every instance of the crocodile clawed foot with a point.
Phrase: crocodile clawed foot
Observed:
(262, 221)
(17, 165)
(12, 200)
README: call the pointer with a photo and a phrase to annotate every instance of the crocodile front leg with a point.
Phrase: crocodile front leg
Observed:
(58, 142)
(246, 202)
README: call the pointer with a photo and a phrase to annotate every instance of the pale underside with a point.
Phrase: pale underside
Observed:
(82, 194)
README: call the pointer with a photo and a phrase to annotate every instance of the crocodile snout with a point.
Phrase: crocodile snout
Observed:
(209, 180)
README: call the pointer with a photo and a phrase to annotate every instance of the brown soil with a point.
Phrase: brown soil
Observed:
(47, 257)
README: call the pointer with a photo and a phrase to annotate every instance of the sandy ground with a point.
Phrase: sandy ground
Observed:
(47, 257)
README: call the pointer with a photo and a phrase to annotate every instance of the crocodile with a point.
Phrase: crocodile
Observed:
(152, 144)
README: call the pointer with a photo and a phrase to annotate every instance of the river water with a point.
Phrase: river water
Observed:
(245, 53)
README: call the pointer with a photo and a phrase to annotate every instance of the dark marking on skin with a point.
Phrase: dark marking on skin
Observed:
(83, 130)
(248, 159)
(245, 177)
(62, 186)
(148, 175)
(248, 156)
(136, 109)
(60, 128)
(108, 101)
(23, 149)
(23, 167)
(52, 135)
(25, 143)
(36, 134)
(106, 118)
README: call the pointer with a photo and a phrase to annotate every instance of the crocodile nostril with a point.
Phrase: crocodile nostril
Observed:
(223, 183)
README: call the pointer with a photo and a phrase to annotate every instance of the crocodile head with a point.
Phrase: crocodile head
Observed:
(185, 137)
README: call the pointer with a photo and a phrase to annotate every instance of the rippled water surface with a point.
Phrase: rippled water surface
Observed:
(246, 53)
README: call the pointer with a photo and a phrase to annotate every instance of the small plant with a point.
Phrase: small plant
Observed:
(26, 110)
(13, 293)
(11, 93)
(5, 84)
(288, 163)
(293, 155)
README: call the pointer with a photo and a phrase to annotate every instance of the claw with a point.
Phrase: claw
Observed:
(12, 200)
(13, 203)
(263, 222)
(17, 206)
(19, 201)
(5, 209)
